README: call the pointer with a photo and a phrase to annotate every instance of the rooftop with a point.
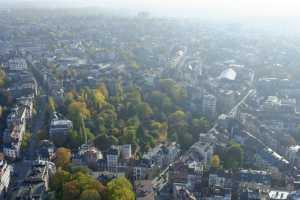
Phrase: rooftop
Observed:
(228, 74)
(276, 194)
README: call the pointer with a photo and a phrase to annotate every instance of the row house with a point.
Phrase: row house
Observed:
(13, 134)
(5, 171)
(36, 182)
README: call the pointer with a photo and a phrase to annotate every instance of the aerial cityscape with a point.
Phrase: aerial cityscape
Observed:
(96, 105)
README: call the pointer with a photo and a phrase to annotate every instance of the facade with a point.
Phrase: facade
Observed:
(112, 158)
(126, 151)
(13, 134)
(278, 195)
(293, 155)
(201, 152)
(46, 150)
(17, 64)
(5, 170)
(180, 192)
(163, 154)
(59, 129)
(255, 176)
(27, 102)
(36, 182)
(209, 105)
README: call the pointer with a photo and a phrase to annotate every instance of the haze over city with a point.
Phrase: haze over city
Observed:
(180, 8)
(149, 100)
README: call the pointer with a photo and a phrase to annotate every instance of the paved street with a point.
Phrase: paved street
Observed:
(38, 123)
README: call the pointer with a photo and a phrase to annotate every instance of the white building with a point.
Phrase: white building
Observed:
(209, 104)
(292, 153)
(13, 134)
(278, 195)
(17, 64)
(112, 158)
(12, 151)
(126, 151)
(200, 152)
(59, 127)
(4, 176)
(27, 102)
(163, 154)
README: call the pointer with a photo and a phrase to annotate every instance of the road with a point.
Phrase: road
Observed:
(38, 123)
(21, 167)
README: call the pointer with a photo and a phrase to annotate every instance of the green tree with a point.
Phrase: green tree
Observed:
(161, 100)
(78, 109)
(144, 110)
(170, 87)
(25, 141)
(215, 162)
(177, 120)
(185, 140)
(158, 130)
(102, 87)
(62, 157)
(58, 180)
(234, 157)
(51, 107)
(199, 125)
(90, 194)
(120, 189)
(103, 142)
(87, 182)
(134, 96)
(3, 79)
(78, 113)
(71, 190)
(74, 139)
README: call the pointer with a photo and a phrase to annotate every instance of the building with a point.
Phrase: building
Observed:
(215, 180)
(36, 182)
(5, 170)
(126, 151)
(295, 195)
(250, 194)
(27, 102)
(292, 154)
(144, 190)
(112, 157)
(278, 195)
(17, 64)
(180, 192)
(17, 116)
(255, 176)
(46, 150)
(59, 129)
(13, 134)
(163, 154)
(90, 155)
(200, 152)
(209, 104)
(228, 74)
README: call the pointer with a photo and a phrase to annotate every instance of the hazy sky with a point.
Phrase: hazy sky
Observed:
(191, 7)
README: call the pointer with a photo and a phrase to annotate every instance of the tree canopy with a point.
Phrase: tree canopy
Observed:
(120, 189)
(62, 157)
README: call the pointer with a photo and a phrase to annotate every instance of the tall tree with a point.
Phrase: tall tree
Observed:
(62, 157)
(234, 156)
(90, 194)
(71, 190)
(120, 189)
(215, 162)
